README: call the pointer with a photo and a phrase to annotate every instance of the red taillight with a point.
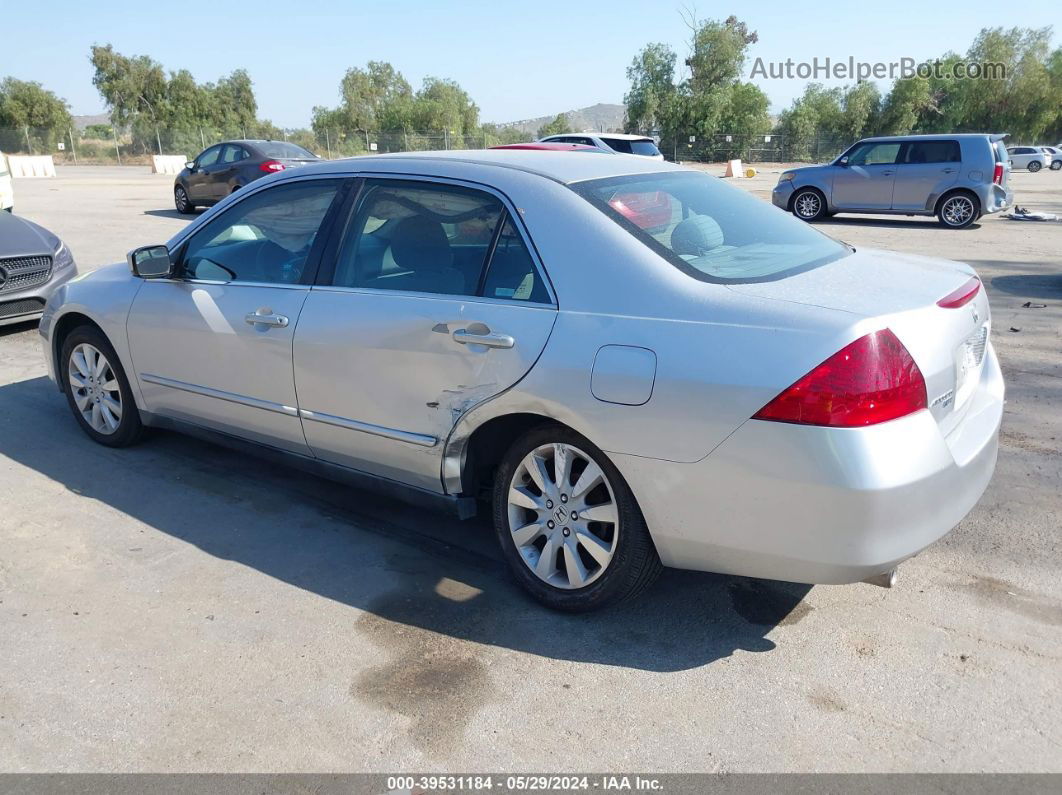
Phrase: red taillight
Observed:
(270, 166)
(997, 175)
(871, 380)
(962, 296)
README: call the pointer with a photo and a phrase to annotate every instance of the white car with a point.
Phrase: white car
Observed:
(614, 143)
(7, 188)
(1056, 156)
(1030, 157)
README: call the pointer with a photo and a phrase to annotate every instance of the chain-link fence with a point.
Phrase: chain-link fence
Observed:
(105, 144)
(102, 144)
(752, 148)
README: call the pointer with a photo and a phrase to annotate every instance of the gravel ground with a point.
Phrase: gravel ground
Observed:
(179, 607)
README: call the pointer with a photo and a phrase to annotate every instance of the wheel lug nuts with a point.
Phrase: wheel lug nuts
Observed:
(564, 498)
(574, 516)
(549, 503)
(550, 524)
(567, 532)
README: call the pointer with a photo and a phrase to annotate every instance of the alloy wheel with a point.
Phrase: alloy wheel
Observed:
(94, 387)
(808, 204)
(958, 210)
(182, 200)
(563, 516)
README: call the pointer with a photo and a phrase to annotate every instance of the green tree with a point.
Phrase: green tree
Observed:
(28, 105)
(558, 126)
(652, 97)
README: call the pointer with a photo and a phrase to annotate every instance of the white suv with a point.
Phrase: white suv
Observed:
(1030, 157)
(615, 143)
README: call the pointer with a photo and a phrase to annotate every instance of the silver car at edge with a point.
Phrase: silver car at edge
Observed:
(33, 263)
(957, 178)
(726, 389)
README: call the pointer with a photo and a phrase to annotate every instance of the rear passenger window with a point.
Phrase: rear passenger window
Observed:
(420, 237)
(933, 152)
(429, 237)
(512, 272)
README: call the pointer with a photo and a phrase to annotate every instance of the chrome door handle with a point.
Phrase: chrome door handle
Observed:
(887, 173)
(265, 318)
(949, 171)
(466, 337)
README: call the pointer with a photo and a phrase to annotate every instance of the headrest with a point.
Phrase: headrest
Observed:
(696, 235)
(419, 243)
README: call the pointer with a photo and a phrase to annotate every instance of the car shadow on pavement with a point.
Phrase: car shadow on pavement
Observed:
(896, 223)
(1029, 285)
(173, 214)
(17, 328)
(398, 563)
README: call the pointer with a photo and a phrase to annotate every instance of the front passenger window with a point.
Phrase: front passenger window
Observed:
(266, 238)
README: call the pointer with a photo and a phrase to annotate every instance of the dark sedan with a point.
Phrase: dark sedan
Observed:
(226, 167)
(33, 262)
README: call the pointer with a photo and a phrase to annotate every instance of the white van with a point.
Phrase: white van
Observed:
(7, 188)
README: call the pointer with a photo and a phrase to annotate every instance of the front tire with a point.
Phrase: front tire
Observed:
(97, 390)
(958, 211)
(182, 202)
(809, 205)
(1056, 165)
(1035, 166)
(568, 524)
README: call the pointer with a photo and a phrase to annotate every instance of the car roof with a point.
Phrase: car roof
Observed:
(555, 146)
(613, 136)
(557, 166)
(935, 137)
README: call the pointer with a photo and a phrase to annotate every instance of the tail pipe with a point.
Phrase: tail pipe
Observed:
(886, 579)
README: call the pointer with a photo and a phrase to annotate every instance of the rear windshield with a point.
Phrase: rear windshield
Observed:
(1002, 155)
(710, 230)
(283, 150)
(641, 147)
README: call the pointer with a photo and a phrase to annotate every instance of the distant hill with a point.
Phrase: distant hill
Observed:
(602, 117)
(81, 122)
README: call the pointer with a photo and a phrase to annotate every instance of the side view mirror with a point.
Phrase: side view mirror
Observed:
(843, 162)
(190, 165)
(150, 262)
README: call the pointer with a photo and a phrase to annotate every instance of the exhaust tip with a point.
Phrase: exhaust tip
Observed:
(887, 579)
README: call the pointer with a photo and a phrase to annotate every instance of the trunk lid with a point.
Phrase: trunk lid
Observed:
(900, 291)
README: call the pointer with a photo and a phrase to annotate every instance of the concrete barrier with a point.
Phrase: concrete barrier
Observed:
(733, 169)
(167, 164)
(35, 166)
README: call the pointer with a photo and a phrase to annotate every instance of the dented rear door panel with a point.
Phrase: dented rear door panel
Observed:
(381, 380)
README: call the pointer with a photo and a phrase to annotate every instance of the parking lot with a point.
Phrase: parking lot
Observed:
(180, 607)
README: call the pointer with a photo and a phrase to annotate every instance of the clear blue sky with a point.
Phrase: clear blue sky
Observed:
(517, 60)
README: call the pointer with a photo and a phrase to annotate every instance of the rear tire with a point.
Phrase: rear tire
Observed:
(97, 390)
(958, 210)
(809, 205)
(1056, 165)
(1035, 166)
(181, 201)
(568, 524)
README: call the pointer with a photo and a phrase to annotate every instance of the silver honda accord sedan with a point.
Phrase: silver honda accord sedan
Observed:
(635, 364)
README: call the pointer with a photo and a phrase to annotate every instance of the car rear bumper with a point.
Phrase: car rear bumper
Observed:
(821, 505)
(997, 198)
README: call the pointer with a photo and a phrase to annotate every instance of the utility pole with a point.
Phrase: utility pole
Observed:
(73, 146)
(117, 152)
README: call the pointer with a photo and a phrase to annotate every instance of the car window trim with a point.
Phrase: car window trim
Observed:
(328, 270)
(313, 259)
